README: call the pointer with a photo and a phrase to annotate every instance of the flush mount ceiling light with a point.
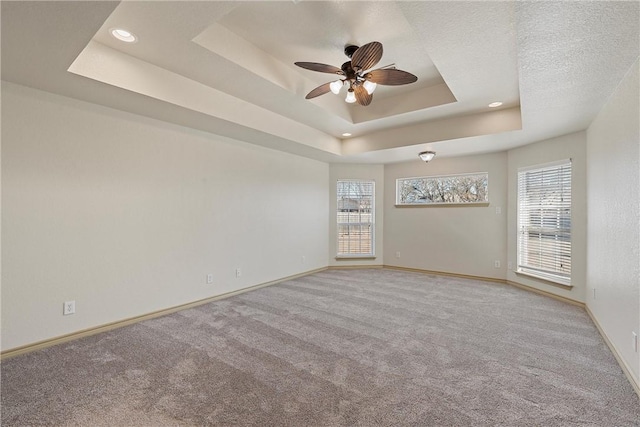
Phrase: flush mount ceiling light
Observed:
(346, 134)
(427, 156)
(123, 35)
(495, 104)
(358, 74)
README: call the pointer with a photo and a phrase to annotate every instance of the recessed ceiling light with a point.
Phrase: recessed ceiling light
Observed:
(495, 104)
(346, 134)
(123, 35)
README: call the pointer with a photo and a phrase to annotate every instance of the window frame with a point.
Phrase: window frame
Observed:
(371, 223)
(558, 243)
(400, 181)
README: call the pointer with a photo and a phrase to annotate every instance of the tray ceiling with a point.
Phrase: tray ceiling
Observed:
(227, 68)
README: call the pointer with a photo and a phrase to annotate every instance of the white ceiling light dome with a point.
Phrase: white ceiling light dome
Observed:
(427, 156)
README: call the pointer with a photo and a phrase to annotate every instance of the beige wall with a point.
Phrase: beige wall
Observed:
(460, 239)
(127, 215)
(339, 171)
(613, 201)
(571, 146)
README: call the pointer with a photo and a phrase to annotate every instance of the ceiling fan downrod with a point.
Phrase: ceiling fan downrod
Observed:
(350, 49)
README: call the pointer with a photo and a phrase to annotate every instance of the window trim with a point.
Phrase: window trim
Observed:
(399, 203)
(527, 270)
(362, 255)
(359, 257)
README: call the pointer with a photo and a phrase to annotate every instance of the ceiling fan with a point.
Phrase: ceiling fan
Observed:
(358, 74)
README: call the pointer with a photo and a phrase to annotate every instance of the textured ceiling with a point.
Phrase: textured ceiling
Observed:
(227, 68)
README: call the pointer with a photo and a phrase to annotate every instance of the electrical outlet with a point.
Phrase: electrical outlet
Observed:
(634, 343)
(496, 264)
(303, 259)
(69, 308)
(398, 254)
(498, 210)
(238, 272)
(209, 278)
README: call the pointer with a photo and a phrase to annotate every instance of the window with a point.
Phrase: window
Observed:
(355, 218)
(544, 222)
(438, 190)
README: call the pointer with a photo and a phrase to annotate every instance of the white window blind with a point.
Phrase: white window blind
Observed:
(355, 218)
(544, 222)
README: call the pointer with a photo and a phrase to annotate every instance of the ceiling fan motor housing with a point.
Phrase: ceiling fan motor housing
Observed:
(349, 72)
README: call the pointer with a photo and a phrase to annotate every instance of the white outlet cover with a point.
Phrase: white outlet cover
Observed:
(69, 308)
(209, 278)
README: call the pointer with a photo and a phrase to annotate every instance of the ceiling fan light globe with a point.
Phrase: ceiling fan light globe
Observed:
(369, 86)
(351, 97)
(336, 86)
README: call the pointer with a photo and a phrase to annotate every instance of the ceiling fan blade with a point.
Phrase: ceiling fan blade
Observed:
(320, 90)
(391, 77)
(322, 68)
(362, 96)
(367, 56)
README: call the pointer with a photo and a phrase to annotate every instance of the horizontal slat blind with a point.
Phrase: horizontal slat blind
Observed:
(544, 222)
(355, 217)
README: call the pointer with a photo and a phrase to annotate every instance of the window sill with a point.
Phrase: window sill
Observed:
(548, 279)
(348, 257)
(442, 205)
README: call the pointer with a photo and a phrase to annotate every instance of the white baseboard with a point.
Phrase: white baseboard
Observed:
(353, 267)
(545, 293)
(120, 323)
(444, 273)
(635, 382)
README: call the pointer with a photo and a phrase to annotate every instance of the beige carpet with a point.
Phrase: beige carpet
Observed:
(337, 348)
